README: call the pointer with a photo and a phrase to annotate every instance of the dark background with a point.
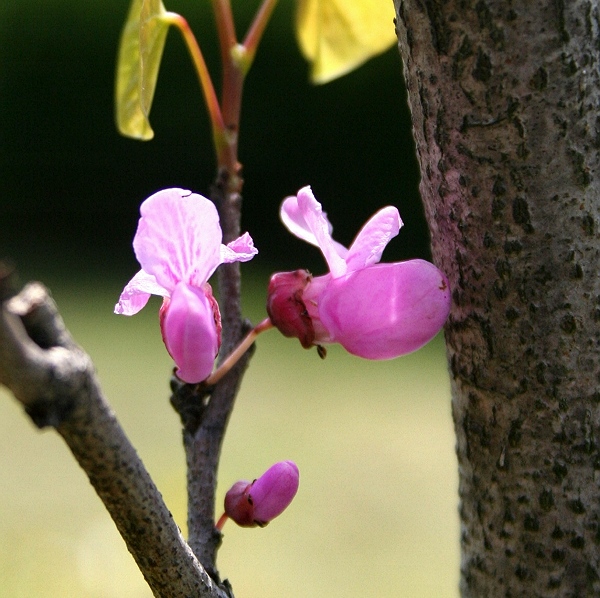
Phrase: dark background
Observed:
(70, 185)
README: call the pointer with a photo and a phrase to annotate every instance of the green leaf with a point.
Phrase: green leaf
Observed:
(140, 52)
(337, 36)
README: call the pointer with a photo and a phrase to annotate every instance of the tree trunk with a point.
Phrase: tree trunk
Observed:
(504, 97)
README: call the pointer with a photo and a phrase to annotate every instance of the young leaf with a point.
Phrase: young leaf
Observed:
(140, 53)
(337, 36)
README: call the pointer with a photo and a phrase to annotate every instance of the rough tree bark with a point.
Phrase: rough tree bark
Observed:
(504, 96)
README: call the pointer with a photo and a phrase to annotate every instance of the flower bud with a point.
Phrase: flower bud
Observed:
(292, 305)
(238, 505)
(256, 503)
(286, 307)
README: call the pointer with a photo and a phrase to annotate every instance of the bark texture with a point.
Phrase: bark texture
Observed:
(504, 97)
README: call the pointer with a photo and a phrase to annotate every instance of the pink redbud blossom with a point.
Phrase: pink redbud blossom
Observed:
(178, 244)
(255, 503)
(376, 311)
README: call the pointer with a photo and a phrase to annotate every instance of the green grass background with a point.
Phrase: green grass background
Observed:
(376, 512)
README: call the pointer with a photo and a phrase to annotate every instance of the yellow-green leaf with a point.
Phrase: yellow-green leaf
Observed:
(140, 52)
(337, 36)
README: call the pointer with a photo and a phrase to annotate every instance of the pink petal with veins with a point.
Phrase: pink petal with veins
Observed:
(136, 293)
(309, 223)
(240, 250)
(318, 224)
(178, 238)
(386, 310)
(293, 219)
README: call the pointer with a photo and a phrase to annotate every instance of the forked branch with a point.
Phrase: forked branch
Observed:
(54, 379)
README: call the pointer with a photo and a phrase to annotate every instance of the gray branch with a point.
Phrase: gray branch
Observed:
(55, 381)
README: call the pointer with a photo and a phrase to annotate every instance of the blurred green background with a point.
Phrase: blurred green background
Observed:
(376, 511)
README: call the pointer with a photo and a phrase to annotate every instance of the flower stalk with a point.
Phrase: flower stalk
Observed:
(229, 361)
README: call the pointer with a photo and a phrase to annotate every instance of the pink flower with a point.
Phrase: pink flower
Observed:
(256, 503)
(178, 244)
(376, 311)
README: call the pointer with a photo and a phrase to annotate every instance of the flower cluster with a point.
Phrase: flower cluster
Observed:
(178, 244)
(375, 311)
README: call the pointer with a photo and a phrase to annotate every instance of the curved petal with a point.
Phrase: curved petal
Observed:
(294, 221)
(240, 250)
(274, 490)
(292, 218)
(386, 310)
(367, 247)
(316, 221)
(178, 238)
(136, 293)
(190, 333)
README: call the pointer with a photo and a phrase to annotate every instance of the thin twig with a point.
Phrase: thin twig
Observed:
(233, 357)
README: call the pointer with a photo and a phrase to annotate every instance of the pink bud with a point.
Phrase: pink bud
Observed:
(286, 307)
(293, 306)
(274, 491)
(238, 505)
(265, 498)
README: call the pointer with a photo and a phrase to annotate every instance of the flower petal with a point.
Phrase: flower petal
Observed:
(136, 293)
(316, 221)
(274, 490)
(386, 310)
(367, 247)
(190, 333)
(178, 238)
(293, 219)
(240, 250)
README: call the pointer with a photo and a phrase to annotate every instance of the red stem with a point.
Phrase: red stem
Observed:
(258, 26)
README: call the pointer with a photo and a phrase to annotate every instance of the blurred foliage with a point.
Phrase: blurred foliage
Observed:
(72, 183)
(337, 36)
(138, 61)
